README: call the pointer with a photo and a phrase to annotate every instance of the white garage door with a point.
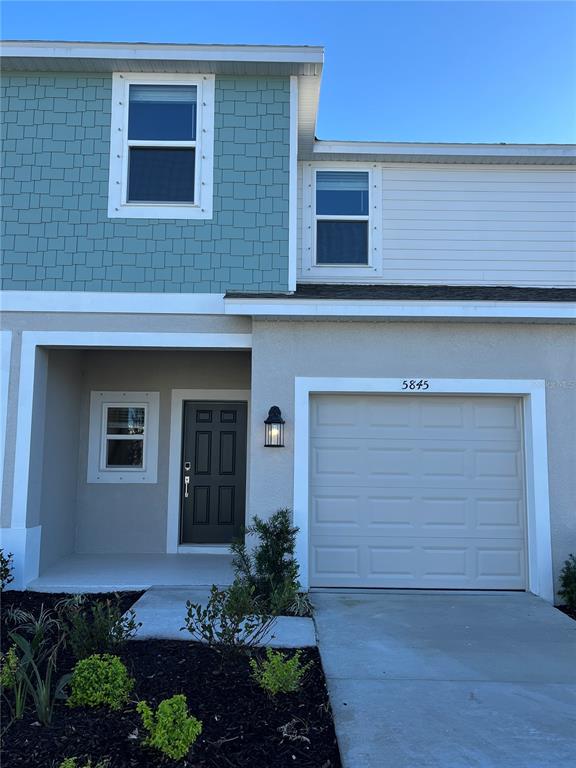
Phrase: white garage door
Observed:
(417, 491)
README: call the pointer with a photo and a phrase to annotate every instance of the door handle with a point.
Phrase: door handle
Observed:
(186, 484)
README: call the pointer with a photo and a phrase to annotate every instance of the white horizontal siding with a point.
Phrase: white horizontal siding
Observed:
(468, 225)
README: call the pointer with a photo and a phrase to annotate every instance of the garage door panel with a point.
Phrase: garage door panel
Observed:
(417, 492)
(358, 462)
(447, 513)
(420, 564)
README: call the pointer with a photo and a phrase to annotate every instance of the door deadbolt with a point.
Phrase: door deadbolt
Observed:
(187, 466)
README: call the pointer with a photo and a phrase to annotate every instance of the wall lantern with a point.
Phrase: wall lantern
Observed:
(274, 428)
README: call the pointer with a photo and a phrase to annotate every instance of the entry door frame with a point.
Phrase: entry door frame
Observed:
(535, 449)
(179, 396)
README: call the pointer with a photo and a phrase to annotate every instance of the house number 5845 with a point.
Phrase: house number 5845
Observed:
(415, 384)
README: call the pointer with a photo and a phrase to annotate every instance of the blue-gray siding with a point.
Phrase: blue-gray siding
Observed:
(56, 234)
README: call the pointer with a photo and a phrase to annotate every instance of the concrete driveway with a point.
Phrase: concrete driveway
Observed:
(439, 680)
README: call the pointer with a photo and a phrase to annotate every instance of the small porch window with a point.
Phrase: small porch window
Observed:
(123, 445)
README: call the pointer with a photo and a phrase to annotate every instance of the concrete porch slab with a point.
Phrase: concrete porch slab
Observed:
(162, 610)
(109, 573)
(449, 680)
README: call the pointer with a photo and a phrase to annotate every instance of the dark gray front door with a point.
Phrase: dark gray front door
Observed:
(213, 472)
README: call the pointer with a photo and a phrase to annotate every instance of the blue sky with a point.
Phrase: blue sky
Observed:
(394, 71)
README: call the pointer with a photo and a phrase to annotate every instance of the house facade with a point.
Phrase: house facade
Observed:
(183, 260)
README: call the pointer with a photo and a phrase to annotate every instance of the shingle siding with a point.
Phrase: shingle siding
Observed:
(55, 228)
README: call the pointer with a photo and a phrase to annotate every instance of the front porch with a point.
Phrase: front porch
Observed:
(111, 573)
(99, 500)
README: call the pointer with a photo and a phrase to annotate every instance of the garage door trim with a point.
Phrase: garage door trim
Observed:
(533, 399)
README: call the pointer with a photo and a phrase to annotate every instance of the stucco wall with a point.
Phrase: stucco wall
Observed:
(57, 480)
(442, 350)
(55, 229)
(132, 518)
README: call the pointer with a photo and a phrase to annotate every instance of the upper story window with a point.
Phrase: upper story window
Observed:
(161, 150)
(341, 210)
(342, 217)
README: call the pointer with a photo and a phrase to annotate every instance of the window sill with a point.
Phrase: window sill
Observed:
(159, 211)
(124, 478)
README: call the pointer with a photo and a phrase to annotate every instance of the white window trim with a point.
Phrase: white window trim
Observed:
(533, 396)
(202, 208)
(98, 472)
(310, 267)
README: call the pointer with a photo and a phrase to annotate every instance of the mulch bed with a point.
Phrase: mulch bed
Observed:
(242, 726)
(568, 611)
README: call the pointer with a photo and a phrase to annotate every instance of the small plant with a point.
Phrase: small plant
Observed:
(39, 629)
(72, 762)
(231, 620)
(567, 589)
(271, 567)
(31, 663)
(101, 628)
(11, 679)
(35, 671)
(6, 568)
(278, 674)
(172, 730)
(100, 680)
(301, 605)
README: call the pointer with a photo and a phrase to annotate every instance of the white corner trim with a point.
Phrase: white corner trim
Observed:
(175, 458)
(408, 310)
(24, 544)
(532, 392)
(118, 204)
(124, 303)
(32, 340)
(97, 472)
(5, 357)
(293, 186)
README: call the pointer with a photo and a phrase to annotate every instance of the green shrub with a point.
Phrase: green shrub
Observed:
(278, 674)
(271, 567)
(567, 589)
(101, 679)
(72, 762)
(231, 620)
(6, 568)
(171, 729)
(98, 628)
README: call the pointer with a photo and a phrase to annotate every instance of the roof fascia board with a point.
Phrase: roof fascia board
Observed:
(248, 53)
(436, 151)
(415, 310)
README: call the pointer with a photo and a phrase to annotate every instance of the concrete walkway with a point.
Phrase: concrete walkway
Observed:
(439, 680)
(162, 611)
